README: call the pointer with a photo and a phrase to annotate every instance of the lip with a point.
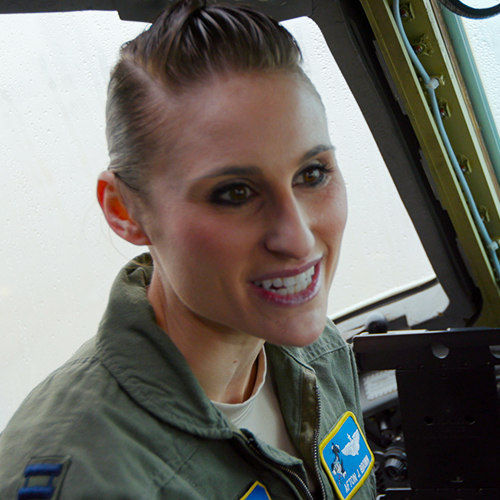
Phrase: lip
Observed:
(294, 299)
(285, 273)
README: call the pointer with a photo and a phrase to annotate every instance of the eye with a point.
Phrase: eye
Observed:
(232, 194)
(313, 175)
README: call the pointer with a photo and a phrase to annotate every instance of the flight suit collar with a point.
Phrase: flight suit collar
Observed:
(146, 363)
(151, 369)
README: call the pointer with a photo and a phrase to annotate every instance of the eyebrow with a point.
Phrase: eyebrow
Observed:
(316, 151)
(235, 170)
(252, 170)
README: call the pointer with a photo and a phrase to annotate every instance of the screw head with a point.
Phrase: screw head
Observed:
(405, 13)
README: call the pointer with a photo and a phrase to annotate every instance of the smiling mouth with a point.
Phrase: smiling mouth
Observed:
(289, 285)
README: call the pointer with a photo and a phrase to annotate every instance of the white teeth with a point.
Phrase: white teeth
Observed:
(301, 278)
(289, 285)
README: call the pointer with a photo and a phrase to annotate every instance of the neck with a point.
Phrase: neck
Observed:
(224, 362)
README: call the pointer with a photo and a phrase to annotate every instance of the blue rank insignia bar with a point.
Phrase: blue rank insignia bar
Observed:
(43, 478)
(256, 492)
(346, 457)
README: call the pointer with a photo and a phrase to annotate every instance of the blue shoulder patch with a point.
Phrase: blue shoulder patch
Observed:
(257, 492)
(346, 457)
(43, 478)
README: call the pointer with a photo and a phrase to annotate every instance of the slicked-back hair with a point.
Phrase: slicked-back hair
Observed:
(189, 44)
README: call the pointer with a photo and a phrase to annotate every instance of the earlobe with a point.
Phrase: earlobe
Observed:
(115, 210)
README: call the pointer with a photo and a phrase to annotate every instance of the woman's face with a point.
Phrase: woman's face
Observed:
(247, 210)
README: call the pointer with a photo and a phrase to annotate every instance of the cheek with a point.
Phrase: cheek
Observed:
(333, 215)
(192, 259)
(207, 244)
(339, 210)
(207, 262)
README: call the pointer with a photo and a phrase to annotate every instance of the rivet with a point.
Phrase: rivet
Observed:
(418, 48)
(405, 13)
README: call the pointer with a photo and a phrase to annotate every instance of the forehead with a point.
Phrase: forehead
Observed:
(244, 118)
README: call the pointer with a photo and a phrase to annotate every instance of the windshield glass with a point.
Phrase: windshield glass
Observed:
(381, 254)
(482, 35)
(60, 258)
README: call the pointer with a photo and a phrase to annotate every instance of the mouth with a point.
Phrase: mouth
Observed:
(286, 289)
(290, 285)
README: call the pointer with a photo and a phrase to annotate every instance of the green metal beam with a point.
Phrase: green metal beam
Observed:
(426, 31)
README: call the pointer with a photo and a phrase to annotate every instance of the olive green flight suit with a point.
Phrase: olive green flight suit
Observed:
(125, 419)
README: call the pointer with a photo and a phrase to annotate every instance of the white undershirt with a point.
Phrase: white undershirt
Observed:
(260, 413)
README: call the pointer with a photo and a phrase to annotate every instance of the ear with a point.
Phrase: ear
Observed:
(115, 210)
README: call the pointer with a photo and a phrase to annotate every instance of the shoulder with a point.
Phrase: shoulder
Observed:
(62, 435)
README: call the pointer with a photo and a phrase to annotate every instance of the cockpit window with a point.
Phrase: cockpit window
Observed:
(382, 255)
(477, 47)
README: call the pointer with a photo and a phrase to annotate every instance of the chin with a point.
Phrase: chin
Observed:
(301, 335)
(304, 341)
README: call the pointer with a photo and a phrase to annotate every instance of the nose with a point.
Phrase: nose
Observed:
(288, 229)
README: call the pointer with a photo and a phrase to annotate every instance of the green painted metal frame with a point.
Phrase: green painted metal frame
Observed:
(425, 24)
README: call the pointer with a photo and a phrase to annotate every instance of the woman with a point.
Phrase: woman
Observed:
(221, 163)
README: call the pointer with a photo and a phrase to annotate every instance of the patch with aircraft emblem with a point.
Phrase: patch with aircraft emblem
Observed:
(257, 492)
(346, 456)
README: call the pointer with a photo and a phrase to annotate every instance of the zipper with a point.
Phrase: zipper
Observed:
(315, 446)
(252, 444)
